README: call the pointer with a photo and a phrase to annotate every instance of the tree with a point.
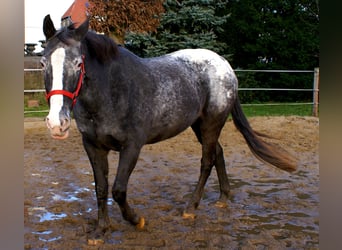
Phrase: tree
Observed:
(115, 18)
(278, 33)
(185, 24)
(265, 34)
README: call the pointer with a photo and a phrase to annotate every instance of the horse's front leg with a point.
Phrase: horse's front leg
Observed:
(127, 161)
(99, 161)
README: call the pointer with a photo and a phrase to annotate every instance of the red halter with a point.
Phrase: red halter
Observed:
(72, 96)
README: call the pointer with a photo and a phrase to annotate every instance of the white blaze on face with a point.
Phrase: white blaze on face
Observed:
(56, 101)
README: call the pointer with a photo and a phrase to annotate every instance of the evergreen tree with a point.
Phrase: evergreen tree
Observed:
(265, 34)
(185, 24)
(274, 34)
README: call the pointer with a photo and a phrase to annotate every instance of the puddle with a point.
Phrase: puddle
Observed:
(43, 232)
(44, 215)
(48, 216)
(70, 196)
(43, 236)
(50, 239)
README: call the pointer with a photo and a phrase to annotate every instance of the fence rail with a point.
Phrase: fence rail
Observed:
(274, 70)
(274, 89)
(314, 89)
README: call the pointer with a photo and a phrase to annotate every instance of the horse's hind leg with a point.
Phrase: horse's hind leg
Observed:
(207, 163)
(209, 143)
(222, 176)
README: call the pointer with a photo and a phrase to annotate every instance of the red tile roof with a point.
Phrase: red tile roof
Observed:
(76, 14)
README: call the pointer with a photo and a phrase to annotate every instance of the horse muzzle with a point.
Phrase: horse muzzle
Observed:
(59, 131)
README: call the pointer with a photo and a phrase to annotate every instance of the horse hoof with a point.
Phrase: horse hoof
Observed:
(188, 216)
(221, 204)
(141, 223)
(95, 242)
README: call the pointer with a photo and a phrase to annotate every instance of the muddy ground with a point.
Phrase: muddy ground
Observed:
(268, 208)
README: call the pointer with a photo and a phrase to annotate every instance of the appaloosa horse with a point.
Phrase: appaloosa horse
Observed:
(122, 102)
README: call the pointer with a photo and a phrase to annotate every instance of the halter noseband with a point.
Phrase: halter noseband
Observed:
(72, 96)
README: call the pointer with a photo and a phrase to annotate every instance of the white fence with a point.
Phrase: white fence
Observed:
(314, 89)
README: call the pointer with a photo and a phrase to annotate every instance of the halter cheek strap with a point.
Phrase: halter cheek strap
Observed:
(74, 95)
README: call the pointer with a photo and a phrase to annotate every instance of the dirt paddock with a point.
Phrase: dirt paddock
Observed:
(267, 209)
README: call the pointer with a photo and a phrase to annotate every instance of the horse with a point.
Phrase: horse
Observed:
(122, 102)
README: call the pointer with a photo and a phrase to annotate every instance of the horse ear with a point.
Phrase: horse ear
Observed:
(48, 27)
(81, 31)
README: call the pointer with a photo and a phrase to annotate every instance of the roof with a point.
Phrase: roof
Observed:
(76, 14)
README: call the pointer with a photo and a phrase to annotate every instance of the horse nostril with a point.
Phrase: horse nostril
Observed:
(64, 124)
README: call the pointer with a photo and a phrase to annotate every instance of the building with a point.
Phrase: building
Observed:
(76, 14)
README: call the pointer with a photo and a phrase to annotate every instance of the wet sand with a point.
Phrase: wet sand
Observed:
(268, 208)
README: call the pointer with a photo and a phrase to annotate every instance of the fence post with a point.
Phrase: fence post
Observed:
(315, 93)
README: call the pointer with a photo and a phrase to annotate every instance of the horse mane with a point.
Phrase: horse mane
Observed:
(99, 47)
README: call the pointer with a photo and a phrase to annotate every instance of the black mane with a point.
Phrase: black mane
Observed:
(99, 47)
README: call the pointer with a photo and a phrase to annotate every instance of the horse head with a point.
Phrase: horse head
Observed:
(63, 66)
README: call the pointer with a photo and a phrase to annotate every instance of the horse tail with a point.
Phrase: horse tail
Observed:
(264, 151)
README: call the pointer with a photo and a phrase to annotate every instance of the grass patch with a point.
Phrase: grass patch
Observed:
(277, 109)
(41, 110)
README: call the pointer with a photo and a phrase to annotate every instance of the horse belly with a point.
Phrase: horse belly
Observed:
(172, 122)
(166, 134)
